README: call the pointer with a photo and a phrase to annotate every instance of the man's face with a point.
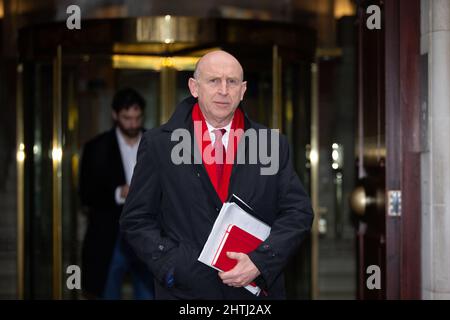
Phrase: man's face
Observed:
(129, 121)
(218, 87)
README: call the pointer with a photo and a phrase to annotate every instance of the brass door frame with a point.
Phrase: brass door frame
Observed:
(314, 159)
(57, 154)
(276, 89)
(20, 163)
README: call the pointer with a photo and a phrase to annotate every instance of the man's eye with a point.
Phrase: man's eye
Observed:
(214, 81)
(232, 81)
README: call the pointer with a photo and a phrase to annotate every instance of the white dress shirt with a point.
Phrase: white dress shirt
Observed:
(224, 137)
(129, 155)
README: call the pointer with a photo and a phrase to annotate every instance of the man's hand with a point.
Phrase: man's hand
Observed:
(242, 274)
(124, 191)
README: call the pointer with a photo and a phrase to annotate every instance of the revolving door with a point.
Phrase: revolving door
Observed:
(66, 81)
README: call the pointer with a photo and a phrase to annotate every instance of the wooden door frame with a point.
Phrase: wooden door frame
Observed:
(403, 147)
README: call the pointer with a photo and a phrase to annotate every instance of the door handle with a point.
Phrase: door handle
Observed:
(359, 200)
(368, 196)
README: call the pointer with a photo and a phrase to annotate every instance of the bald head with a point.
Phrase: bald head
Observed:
(218, 86)
(217, 58)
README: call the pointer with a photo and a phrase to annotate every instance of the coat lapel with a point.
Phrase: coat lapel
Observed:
(201, 172)
(238, 167)
(182, 118)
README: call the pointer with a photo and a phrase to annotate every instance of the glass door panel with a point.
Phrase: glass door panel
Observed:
(37, 101)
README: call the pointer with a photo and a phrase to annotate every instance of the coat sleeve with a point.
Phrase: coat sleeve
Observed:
(293, 222)
(139, 221)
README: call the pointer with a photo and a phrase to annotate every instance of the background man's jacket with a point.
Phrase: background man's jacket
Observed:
(101, 172)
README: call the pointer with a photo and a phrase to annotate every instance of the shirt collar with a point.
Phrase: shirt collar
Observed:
(211, 128)
(121, 139)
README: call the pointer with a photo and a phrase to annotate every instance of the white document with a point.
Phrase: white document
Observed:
(232, 214)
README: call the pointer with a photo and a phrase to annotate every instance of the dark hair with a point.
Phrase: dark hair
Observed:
(125, 98)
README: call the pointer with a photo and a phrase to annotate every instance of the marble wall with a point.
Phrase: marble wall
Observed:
(435, 170)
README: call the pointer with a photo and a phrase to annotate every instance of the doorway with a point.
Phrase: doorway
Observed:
(67, 83)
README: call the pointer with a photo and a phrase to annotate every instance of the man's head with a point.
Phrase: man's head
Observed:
(218, 85)
(128, 106)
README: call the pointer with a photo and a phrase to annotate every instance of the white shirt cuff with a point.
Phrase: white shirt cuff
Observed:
(119, 199)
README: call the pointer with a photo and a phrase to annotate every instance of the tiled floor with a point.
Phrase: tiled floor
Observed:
(337, 269)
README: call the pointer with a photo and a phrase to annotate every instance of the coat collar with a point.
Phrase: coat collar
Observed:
(182, 117)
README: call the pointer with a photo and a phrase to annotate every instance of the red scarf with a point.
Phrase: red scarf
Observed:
(205, 147)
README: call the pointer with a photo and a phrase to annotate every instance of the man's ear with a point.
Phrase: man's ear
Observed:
(193, 87)
(114, 115)
(243, 89)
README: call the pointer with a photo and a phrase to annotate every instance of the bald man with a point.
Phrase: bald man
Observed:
(172, 204)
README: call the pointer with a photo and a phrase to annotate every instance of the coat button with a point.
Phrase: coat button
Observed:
(266, 246)
(198, 174)
(217, 209)
(161, 247)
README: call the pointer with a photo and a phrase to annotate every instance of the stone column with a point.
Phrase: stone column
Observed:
(435, 170)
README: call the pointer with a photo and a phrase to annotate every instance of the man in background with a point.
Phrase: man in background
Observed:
(106, 169)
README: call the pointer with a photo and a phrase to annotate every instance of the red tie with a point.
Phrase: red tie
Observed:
(219, 153)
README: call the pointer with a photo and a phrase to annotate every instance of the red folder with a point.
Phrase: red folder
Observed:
(234, 240)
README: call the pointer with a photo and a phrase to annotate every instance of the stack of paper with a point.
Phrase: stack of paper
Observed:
(242, 225)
